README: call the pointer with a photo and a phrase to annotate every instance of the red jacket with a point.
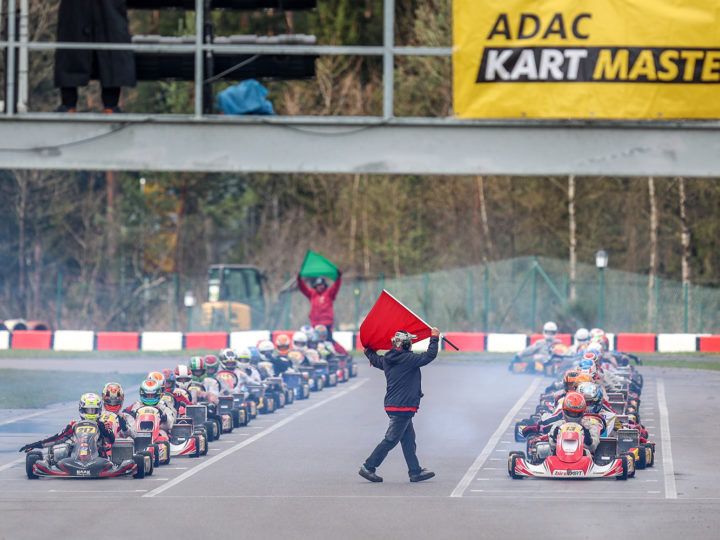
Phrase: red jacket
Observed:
(321, 304)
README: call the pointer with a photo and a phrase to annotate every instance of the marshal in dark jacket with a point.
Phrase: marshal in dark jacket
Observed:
(402, 373)
(93, 21)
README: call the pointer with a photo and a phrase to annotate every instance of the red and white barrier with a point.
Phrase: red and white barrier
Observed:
(81, 340)
(74, 340)
(507, 343)
(161, 341)
(250, 338)
(677, 342)
(117, 341)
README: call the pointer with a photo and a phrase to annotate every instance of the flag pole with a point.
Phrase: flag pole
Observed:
(446, 340)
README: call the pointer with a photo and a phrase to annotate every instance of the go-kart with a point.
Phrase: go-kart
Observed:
(570, 460)
(149, 437)
(314, 379)
(243, 410)
(264, 403)
(296, 383)
(284, 395)
(80, 458)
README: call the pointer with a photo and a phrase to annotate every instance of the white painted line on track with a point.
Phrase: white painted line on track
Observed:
(668, 469)
(11, 464)
(485, 454)
(187, 474)
(23, 417)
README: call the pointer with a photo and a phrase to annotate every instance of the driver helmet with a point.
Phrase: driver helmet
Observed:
(266, 348)
(322, 332)
(312, 339)
(150, 392)
(573, 407)
(296, 357)
(570, 381)
(582, 335)
(197, 366)
(550, 330)
(229, 359)
(592, 356)
(593, 396)
(158, 376)
(254, 355)
(90, 406)
(212, 364)
(112, 397)
(183, 377)
(318, 282)
(299, 341)
(169, 375)
(403, 339)
(244, 356)
(282, 344)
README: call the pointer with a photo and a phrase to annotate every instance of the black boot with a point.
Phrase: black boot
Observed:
(424, 474)
(367, 474)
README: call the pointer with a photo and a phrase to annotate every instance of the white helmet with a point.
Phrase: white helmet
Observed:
(299, 341)
(550, 330)
(265, 346)
(582, 335)
(183, 376)
(595, 346)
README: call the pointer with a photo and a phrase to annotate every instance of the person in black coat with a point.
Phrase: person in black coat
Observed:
(93, 21)
(402, 399)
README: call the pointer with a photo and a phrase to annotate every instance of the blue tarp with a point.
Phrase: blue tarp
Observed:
(248, 97)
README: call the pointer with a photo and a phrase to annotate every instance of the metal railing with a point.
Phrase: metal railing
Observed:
(388, 51)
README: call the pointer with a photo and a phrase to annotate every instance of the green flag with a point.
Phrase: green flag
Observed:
(315, 265)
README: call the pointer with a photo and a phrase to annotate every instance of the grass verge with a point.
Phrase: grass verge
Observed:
(29, 389)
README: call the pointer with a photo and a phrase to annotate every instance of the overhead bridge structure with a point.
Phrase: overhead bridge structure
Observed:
(320, 144)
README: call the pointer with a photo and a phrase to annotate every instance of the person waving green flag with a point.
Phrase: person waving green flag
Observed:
(315, 265)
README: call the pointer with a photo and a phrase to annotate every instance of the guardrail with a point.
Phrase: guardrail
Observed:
(18, 42)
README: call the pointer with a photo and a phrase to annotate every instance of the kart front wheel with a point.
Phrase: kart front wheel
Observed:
(512, 460)
(139, 465)
(30, 460)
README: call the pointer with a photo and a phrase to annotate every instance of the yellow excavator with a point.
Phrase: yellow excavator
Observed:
(236, 299)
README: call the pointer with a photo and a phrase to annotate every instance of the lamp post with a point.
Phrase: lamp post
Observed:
(189, 301)
(601, 261)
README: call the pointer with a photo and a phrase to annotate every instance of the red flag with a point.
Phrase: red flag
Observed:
(386, 317)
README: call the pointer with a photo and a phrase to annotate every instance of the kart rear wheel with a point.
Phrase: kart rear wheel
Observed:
(651, 451)
(156, 454)
(290, 398)
(512, 460)
(236, 418)
(166, 444)
(30, 460)
(641, 463)
(196, 453)
(140, 465)
(147, 462)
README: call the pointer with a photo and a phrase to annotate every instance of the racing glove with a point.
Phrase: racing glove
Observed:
(553, 433)
(122, 423)
(163, 417)
(103, 428)
(588, 436)
(30, 446)
(527, 430)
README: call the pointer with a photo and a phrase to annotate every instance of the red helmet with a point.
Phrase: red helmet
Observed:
(212, 364)
(112, 396)
(573, 406)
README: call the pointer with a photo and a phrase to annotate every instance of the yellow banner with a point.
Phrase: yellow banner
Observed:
(617, 59)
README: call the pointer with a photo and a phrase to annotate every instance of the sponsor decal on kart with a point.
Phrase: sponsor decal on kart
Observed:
(83, 472)
(568, 472)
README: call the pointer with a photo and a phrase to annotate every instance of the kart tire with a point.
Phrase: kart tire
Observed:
(320, 384)
(139, 460)
(282, 400)
(151, 468)
(269, 405)
(243, 415)
(156, 454)
(305, 392)
(652, 455)
(290, 398)
(210, 430)
(512, 460)
(218, 427)
(641, 462)
(166, 444)
(196, 453)
(30, 460)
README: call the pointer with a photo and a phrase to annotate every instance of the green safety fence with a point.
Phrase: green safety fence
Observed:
(514, 295)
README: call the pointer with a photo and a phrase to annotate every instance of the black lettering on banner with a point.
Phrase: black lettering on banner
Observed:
(521, 29)
(560, 30)
(576, 26)
(656, 65)
(501, 27)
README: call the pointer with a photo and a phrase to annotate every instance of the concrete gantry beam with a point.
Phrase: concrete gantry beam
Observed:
(369, 145)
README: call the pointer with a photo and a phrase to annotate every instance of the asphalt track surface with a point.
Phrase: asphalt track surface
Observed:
(293, 474)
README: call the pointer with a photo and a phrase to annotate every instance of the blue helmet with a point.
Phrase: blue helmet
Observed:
(593, 396)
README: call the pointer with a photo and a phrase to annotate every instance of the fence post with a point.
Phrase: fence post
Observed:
(657, 294)
(700, 326)
(471, 307)
(59, 299)
(174, 303)
(426, 283)
(685, 310)
(356, 293)
(565, 286)
(534, 291)
(288, 297)
(487, 299)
